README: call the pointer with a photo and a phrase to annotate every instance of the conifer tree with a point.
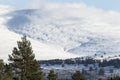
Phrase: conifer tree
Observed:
(78, 76)
(52, 75)
(24, 62)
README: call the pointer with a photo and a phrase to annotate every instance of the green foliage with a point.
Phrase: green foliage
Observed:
(1, 65)
(52, 75)
(8, 72)
(1, 70)
(5, 71)
(24, 62)
(78, 76)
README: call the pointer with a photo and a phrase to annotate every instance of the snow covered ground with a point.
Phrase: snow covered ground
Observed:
(62, 30)
(8, 40)
(42, 51)
(76, 28)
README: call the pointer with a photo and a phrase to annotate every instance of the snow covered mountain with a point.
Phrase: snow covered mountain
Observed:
(42, 51)
(75, 28)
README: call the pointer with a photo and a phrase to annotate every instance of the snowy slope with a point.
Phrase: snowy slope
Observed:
(76, 28)
(42, 51)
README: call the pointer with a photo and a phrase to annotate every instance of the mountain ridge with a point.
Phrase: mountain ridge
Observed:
(69, 28)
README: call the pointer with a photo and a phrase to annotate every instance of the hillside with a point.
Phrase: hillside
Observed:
(78, 29)
(42, 51)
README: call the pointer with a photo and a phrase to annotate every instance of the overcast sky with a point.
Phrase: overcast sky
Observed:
(103, 4)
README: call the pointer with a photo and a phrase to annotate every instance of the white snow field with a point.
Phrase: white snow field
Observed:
(8, 40)
(42, 51)
(65, 30)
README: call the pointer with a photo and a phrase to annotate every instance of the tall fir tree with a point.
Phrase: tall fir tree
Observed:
(78, 76)
(24, 62)
(52, 75)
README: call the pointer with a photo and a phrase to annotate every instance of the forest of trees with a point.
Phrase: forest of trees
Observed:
(86, 62)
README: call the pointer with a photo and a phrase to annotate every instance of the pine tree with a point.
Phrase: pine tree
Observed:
(78, 76)
(52, 75)
(24, 62)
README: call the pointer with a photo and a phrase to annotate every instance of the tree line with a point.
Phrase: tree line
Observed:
(86, 62)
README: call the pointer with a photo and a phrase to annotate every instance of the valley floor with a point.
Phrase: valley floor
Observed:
(65, 72)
